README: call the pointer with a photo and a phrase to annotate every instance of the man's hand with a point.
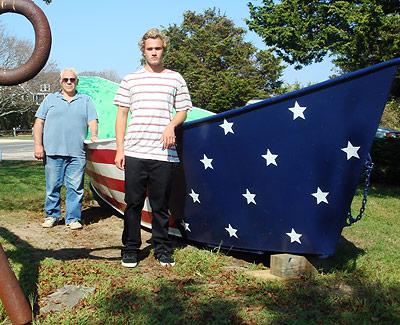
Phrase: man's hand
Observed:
(94, 138)
(39, 151)
(168, 138)
(120, 160)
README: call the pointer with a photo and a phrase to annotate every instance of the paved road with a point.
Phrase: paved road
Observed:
(16, 149)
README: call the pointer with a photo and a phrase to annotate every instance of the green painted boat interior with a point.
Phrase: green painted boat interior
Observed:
(102, 91)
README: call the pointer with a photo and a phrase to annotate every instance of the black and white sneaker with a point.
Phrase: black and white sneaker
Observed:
(166, 259)
(129, 260)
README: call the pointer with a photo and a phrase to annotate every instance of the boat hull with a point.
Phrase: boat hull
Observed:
(276, 176)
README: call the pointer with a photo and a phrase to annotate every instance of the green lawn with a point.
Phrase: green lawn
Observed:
(360, 284)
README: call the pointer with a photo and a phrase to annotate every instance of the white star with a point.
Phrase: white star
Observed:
(249, 197)
(320, 196)
(207, 162)
(194, 196)
(232, 231)
(297, 111)
(227, 127)
(270, 158)
(185, 225)
(351, 151)
(294, 236)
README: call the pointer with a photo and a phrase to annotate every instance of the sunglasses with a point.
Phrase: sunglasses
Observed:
(72, 80)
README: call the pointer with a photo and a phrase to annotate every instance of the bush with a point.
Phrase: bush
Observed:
(385, 155)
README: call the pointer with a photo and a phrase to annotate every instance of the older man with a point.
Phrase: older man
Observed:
(59, 131)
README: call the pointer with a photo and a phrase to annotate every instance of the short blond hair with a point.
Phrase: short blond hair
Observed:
(153, 33)
(73, 70)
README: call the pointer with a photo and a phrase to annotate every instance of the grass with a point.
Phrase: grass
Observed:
(360, 284)
(24, 180)
(18, 137)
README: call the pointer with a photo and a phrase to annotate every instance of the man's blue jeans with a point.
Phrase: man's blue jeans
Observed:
(69, 171)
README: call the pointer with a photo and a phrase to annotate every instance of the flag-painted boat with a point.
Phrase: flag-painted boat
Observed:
(277, 176)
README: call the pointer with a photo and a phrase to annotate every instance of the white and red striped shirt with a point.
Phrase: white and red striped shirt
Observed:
(151, 98)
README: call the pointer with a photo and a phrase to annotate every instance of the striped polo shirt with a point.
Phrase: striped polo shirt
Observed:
(151, 98)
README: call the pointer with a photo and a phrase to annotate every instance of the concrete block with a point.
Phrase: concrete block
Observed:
(290, 266)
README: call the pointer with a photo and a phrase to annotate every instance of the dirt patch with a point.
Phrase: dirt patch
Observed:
(100, 236)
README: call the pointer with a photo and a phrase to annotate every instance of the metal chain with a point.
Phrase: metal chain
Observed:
(369, 165)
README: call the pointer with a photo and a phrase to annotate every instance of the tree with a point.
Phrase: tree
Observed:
(18, 103)
(221, 69)
(356, 33)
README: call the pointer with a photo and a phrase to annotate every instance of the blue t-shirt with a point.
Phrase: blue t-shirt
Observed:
(66, 123)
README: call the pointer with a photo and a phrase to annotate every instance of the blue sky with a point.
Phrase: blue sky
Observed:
(103, 35)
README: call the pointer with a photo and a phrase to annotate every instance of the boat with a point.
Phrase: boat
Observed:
(278, 175)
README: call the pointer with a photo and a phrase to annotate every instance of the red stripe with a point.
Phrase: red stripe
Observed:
(154, 92)
(152, 124)
(152, 108)
(147, 217)
(145, 131)
(153, 116)
(148, 85)
(103, 156)
(141, 138)
(161, 77)
(111, 183)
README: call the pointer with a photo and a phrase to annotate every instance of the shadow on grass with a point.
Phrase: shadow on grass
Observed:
(344, 259)
(307, 301)
(30, 257)
(377, 190)
(226, 299)
(172, 302)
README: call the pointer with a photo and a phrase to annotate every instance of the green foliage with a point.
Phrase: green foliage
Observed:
(359, 33)
(221, 69)
(355, 33)
(391, 115)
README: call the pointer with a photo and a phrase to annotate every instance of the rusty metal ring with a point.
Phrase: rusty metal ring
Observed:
(41, 52)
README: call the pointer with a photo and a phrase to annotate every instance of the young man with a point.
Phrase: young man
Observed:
(148, 154)
(59, 131)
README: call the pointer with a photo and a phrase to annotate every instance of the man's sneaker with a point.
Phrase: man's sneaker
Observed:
(166, 260)
(129, 260)
(49, 222)
(74, 225)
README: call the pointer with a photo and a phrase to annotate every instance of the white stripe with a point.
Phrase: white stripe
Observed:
(101, 144)
(107, 170)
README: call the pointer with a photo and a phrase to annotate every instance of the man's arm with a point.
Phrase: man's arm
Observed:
(168, 137)
(93, 127)
(38, 138)
(120, 127)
